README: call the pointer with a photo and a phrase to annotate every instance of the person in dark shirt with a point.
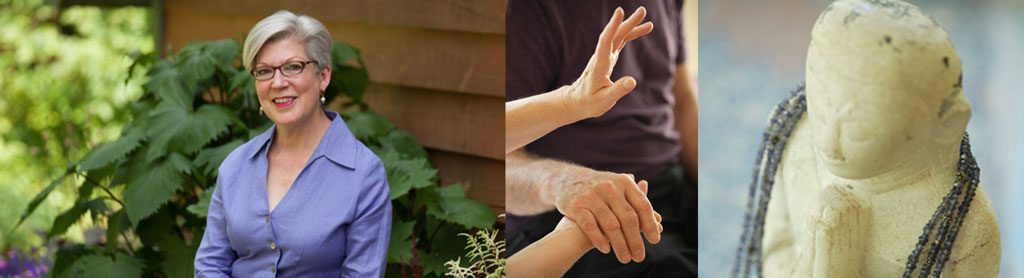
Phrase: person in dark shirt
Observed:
(588, 171)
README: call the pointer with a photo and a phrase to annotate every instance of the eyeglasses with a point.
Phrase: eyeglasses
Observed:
(288, 69)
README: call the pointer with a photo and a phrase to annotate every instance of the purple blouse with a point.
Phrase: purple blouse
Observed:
(335, 221)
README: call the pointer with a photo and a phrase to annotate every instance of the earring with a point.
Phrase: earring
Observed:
(261, 110)
(323, 100)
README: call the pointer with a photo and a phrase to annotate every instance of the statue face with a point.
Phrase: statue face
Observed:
(863, 130)
(883, 88)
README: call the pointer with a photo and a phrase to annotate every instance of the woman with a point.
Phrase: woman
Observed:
(305, 198)
(530, 118)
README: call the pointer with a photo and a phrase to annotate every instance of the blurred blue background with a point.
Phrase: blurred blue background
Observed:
(752, 54)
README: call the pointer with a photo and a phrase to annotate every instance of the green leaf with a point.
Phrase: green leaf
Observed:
(343, 52)
(400, 248)
(180, 163)
(166, 81)
(352, 81)
(243, 88)
(406, 174)
(94, 178)
(32, 205)
(177, 258)
(404, 143)
(209, 159)
(445, 245)
(174, 129)
(146, 192)
(453, 206)
(139, 59)
(66, 219)
(97, 207)
(65, 259)
(112, 151)
(201, 207)
(225, 52)
(366, 125)
(199, 60)
(116, 223)
(121, 265)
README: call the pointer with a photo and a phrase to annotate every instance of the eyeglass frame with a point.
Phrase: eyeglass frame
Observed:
(278, 68)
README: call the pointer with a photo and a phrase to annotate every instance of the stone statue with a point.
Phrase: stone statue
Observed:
(876, 179)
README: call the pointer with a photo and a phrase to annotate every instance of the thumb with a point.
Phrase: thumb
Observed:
(621, 87)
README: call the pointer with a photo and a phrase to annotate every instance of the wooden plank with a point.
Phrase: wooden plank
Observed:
(452, 15)
(447, 61)
(483, 178)
(453, 122)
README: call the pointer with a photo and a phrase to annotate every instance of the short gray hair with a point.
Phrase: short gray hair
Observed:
(284, 24)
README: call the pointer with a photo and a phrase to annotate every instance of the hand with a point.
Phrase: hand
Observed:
(611, 208)
(594, 93)
(838, 232)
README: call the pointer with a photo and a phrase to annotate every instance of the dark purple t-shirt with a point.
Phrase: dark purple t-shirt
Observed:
(548, 45)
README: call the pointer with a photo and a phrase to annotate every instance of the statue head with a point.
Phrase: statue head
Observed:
(883, 88)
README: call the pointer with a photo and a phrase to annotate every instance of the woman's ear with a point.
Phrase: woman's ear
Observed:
(325, 77)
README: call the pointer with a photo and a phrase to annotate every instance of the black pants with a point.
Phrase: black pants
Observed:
(675, 256)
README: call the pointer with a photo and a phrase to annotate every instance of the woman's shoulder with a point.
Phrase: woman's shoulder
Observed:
(236, 159)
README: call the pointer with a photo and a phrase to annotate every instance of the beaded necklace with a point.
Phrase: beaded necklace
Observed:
(936, 238)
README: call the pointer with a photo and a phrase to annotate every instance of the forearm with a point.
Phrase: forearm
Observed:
(528, 119)
(550, 256)
(532, 184)
(368, 235)
(215, 255)
(686, 121)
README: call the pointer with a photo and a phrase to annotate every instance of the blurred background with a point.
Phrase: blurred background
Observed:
(45, 124)
(753, 55)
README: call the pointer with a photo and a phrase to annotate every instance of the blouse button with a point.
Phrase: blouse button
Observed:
(268, 218)
(273, 245)
(273, 269)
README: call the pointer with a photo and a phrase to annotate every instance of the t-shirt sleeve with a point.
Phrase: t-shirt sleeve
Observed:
(530, 56)
(681, 58)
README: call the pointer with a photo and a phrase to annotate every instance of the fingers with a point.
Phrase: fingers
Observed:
(644, 211)
(609, 223)
(643, 187)
(607, 39)
(639, 31)
(627, 27)
(619, 89)
(630, 223)
(589, 225)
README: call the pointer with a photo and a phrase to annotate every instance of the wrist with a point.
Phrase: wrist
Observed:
(570, 96)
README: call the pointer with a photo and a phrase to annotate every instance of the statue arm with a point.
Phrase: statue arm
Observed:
(778, 249)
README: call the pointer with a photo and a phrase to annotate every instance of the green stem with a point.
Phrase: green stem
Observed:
(105, 189)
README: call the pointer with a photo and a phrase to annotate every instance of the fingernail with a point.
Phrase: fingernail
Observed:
(618, 10)
(603, 249)
(630, 84)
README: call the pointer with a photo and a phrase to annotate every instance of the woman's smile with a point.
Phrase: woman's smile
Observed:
(283, 102)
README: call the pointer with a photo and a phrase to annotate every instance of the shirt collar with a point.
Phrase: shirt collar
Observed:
(338, 143)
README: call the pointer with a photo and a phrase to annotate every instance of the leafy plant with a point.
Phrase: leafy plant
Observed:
(62, 86)
(486, 255)
(152, 185)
